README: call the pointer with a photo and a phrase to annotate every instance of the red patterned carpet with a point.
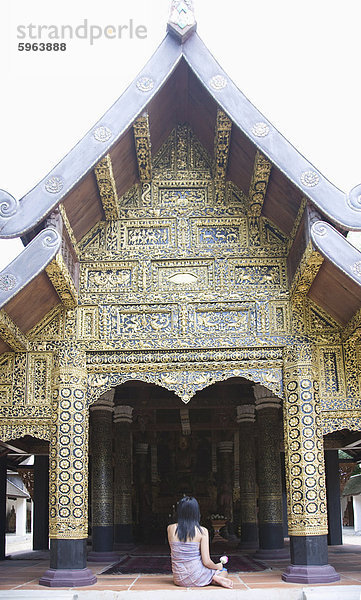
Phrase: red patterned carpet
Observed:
(160, 564)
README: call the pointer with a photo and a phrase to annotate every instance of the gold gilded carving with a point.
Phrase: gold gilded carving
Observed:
(69, 230)
(279, 318)
(123, 320)
(109, 277)
(219, 231)
(11, 334)
(51, 327)
(222, 140)
(59, 276)
(338, 420)
(39, 378)
(306, 272)
(332, 378)
(88, 327)
(220, 317)
(107, 188)
(143, 147)
(259, 182)
(303, 438)
(266, 274)
(13, 429)
(183, 275)
(149, 233)
(297, 222)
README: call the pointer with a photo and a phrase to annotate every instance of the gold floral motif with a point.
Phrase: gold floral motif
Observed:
(107, 188)
(143, 147)
(59, 276)
(259, 182)
(11, 334)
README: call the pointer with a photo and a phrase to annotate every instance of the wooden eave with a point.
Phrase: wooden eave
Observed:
(26, 293)
(337, 287)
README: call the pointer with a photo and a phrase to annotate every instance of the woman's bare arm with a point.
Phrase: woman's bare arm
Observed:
(206, 559)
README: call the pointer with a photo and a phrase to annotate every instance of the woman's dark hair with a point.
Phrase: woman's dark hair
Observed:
(188, 517)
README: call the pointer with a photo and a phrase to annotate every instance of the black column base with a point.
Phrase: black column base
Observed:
(67, 578)
(275, 554)
(310, 574)
(309, 561)
(102, 539)
(271, 536)
(94, 556)
(123, 534)
(249, 536)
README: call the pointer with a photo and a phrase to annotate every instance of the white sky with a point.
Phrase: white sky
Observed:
(297, 61)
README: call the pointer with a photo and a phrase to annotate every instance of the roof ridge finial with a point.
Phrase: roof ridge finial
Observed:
(181, 22)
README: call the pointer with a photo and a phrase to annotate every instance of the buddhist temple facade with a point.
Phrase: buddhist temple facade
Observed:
(184, 319)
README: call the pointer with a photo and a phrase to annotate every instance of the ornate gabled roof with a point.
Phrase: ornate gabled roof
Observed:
(181, 84)
(181, 43)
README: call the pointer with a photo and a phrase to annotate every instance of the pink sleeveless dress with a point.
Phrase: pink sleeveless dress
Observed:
(187, 567)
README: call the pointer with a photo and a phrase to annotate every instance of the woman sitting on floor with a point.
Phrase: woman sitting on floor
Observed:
(191, 563)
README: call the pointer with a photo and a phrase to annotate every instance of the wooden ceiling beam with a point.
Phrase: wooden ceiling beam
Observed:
(107, 188)
(259, 182)
(222, 140)
(143, 147)
(11, 334)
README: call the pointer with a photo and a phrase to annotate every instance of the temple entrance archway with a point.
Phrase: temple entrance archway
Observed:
(211, 447)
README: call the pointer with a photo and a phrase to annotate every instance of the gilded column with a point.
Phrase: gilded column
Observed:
(305, 470)
(102, 478)
(247, 475)
(123, 530)
(68, 494)
(270, 517)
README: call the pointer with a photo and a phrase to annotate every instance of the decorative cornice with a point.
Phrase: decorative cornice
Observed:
(107, 188)
(259, 182)
(30, 262)
(181, 22)
(143, 147)
(59, 276)
(11, 334)
(335, 247)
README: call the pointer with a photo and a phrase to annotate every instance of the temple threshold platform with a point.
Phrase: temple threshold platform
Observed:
(19, 578)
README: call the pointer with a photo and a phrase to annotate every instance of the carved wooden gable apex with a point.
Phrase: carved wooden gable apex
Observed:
(181, 22)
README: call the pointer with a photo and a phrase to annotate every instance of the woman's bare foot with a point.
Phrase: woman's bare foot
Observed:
(223, 581)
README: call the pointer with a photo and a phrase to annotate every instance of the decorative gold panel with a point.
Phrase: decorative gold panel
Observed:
(109, 277)
(39, 378)
(183, 275)
(88, 327)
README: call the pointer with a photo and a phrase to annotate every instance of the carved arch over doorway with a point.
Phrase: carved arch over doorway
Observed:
(184, 383)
